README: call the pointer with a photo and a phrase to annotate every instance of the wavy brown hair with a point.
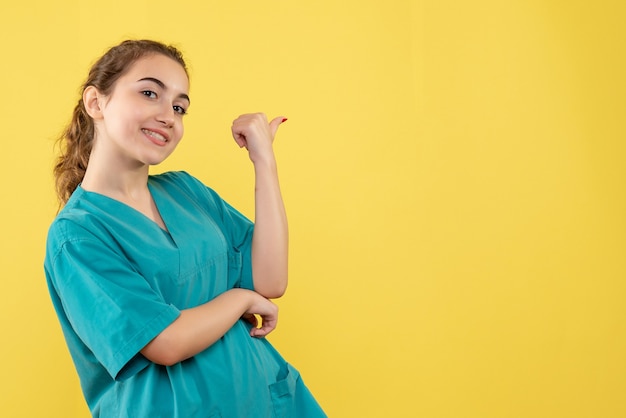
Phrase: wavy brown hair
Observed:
(76, 140)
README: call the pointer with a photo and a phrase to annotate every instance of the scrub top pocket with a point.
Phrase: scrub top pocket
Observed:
(283, 392)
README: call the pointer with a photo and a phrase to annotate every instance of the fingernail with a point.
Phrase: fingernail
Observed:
(284, 120)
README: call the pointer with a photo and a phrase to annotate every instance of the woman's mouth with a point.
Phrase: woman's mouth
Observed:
(155, 135)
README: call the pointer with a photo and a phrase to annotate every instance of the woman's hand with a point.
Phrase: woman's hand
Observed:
(253, 132)
(267, 310)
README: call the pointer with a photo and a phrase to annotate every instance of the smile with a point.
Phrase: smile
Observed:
(154, 135)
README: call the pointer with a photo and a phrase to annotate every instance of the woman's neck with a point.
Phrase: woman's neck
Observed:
(116, 180)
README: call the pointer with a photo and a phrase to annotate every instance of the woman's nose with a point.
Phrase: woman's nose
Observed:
(166, 116)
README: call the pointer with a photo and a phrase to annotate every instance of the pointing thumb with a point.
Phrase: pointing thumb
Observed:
(275, 123)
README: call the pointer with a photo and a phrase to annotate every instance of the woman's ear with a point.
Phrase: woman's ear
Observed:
(92, 100)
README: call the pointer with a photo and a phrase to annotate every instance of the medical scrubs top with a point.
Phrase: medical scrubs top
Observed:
(117, 280)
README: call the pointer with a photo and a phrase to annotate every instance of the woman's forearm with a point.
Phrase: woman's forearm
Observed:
(271, 239)
(198, 328)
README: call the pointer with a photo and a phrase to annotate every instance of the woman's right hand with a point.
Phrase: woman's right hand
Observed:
(267, 310)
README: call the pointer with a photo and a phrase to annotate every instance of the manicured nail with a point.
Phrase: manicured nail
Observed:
(284, 120)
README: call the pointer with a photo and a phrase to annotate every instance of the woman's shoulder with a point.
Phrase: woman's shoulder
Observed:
(72, 225)
(84, 217)
(74, 213)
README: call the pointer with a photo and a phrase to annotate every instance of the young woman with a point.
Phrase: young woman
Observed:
(155, 279)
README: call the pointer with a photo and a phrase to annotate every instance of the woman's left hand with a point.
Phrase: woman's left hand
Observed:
(253, 132)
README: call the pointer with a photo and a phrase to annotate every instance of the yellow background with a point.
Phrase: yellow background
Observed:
(453, 172)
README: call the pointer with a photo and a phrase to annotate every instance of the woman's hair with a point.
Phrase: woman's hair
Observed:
(76, 140)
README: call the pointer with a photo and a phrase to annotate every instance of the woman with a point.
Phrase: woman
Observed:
(155, 279)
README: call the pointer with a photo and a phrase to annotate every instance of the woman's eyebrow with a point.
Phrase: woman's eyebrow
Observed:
(162, 85)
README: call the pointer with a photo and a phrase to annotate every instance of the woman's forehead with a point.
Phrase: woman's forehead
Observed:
(160, 67)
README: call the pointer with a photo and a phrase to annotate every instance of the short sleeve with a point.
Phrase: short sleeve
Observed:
(110, 307)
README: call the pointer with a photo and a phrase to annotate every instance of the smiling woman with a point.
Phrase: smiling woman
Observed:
(156, 280)
(141, 112)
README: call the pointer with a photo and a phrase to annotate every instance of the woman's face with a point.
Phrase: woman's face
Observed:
(142, 119)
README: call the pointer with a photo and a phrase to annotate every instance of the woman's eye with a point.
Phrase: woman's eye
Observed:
(149, 93)
(179, 109)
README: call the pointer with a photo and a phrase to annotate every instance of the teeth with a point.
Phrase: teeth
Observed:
(154, 135)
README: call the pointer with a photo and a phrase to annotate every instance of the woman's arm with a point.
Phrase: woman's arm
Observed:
(198, 328)
(270, 238)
